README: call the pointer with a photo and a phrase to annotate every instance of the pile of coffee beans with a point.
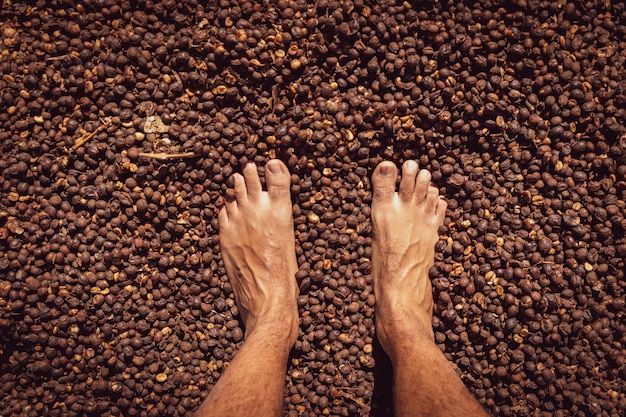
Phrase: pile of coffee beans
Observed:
(120, 126)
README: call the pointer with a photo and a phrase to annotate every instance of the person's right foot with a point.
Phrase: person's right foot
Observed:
(404, 229)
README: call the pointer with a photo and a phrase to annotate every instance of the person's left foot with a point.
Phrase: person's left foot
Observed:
(258, 247)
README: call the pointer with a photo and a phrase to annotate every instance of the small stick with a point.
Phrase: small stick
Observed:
(56, 58)
(87, 136)
(162, 156)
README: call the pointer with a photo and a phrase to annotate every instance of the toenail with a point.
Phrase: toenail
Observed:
(424, 174)
(385, 170)
(274, 167)
(410, 164)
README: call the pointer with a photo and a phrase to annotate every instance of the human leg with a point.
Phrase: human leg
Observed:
(404, 225)
(258, 250)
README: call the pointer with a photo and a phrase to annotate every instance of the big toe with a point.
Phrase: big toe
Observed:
(278, 179)
(384, 181)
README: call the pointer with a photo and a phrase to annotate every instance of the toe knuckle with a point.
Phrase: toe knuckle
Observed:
(280, 190)
(383, 191)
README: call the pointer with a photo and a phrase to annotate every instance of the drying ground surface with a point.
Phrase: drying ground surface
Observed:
(122, 122)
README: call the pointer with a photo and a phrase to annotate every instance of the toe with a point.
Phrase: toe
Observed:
(222, 217)
(421, 184)
(432, 197)
(277, 179)
(241, 193)
(231, 207)
(407, 183)
(384, 181)
(253, 183)
(442, 205)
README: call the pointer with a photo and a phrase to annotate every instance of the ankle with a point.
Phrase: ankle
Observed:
(402, 330)
(281, 319)
(406, 345)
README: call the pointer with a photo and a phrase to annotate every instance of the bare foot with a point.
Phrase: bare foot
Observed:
(404, 226)
(258, 248)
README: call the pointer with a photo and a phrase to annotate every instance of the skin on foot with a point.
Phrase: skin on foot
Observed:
(405, 229)
(258, 248)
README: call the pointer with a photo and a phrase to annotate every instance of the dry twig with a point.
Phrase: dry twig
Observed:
(87, 136)
(162, 156)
